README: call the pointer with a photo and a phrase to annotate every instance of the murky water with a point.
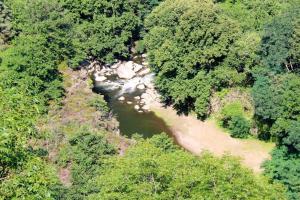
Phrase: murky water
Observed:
(131, 121)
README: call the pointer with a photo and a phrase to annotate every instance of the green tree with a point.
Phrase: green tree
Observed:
(86, 153)
(37, 181)
(277, 105)
(280, 43)
(185, 41)
(285, 168)
(150, 171)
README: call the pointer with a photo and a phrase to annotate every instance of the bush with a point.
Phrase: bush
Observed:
(100, 104)
(232, 117)
(229, 111)
(151, 171)
(239, 127)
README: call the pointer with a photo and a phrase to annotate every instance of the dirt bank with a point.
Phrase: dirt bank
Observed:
(196, 136)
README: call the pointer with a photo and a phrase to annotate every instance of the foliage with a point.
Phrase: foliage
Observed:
(37, 180)
(187, 40)
(105, 30)
(150, 172)
(252, 14)
(239, 127)
(277, 105)
(85, 153)
(196, 48)
(100, 104)
(232, 117)
(285, 168)
(280, 43)
(231, 110)
(18, 115)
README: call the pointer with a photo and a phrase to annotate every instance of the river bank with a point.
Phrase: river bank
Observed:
(197, 136)
(136, 104)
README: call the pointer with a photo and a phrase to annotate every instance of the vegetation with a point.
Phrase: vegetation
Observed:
(197, 49)
(85, 152)
(201, 48)
(5, 25)
(233, 118)
(155, 171)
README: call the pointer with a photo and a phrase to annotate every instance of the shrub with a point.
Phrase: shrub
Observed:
(239, 127)
(100, 104)
(232, 117)
(229, 111)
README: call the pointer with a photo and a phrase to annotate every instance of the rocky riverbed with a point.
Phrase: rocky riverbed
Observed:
(127, 77)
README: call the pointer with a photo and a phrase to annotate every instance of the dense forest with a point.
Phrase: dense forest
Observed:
(201, 51)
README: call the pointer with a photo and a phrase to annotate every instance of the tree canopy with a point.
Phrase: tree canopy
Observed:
(150, 170)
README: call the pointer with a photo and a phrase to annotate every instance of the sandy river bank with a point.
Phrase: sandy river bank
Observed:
(195, 136)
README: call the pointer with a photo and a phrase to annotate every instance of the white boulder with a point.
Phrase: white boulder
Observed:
(146, 107)
(125, 70)
(137, 107)
(137, 67)
(141, 86)
(144, 72)
(116, 65)
(100, 78)
(121, 98)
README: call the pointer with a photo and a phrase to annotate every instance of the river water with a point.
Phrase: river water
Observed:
(131, 121)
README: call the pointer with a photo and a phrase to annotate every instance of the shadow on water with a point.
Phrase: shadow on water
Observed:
(131, 121)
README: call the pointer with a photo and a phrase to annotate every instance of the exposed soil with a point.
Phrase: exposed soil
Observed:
(195, 136)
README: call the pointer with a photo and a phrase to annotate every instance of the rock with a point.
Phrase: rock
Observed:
(149, 85)
(144, 55)
(146, 107)
(144, 72)
(129, 102)
(137, 67)
(141, 86)
(137, 107)
(108, 74)
(137, 98)
(146, 96)
(100, 78)
(143, 101)
(121, 98)
(140, 111)
(125, 70)
(116, 65)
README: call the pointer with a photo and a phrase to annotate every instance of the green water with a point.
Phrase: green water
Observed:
(146, 124)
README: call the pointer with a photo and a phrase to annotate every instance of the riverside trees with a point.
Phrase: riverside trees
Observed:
(155, 169)
(200, 48)
(196, 48)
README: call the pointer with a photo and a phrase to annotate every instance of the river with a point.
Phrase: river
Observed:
(132, 120)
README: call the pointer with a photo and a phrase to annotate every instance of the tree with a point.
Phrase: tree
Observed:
(186, 41)
(151, 171)
(280, 43)
(277, 105)
(285, 168)
(85, 152)
(37, 180)
(105, 30)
